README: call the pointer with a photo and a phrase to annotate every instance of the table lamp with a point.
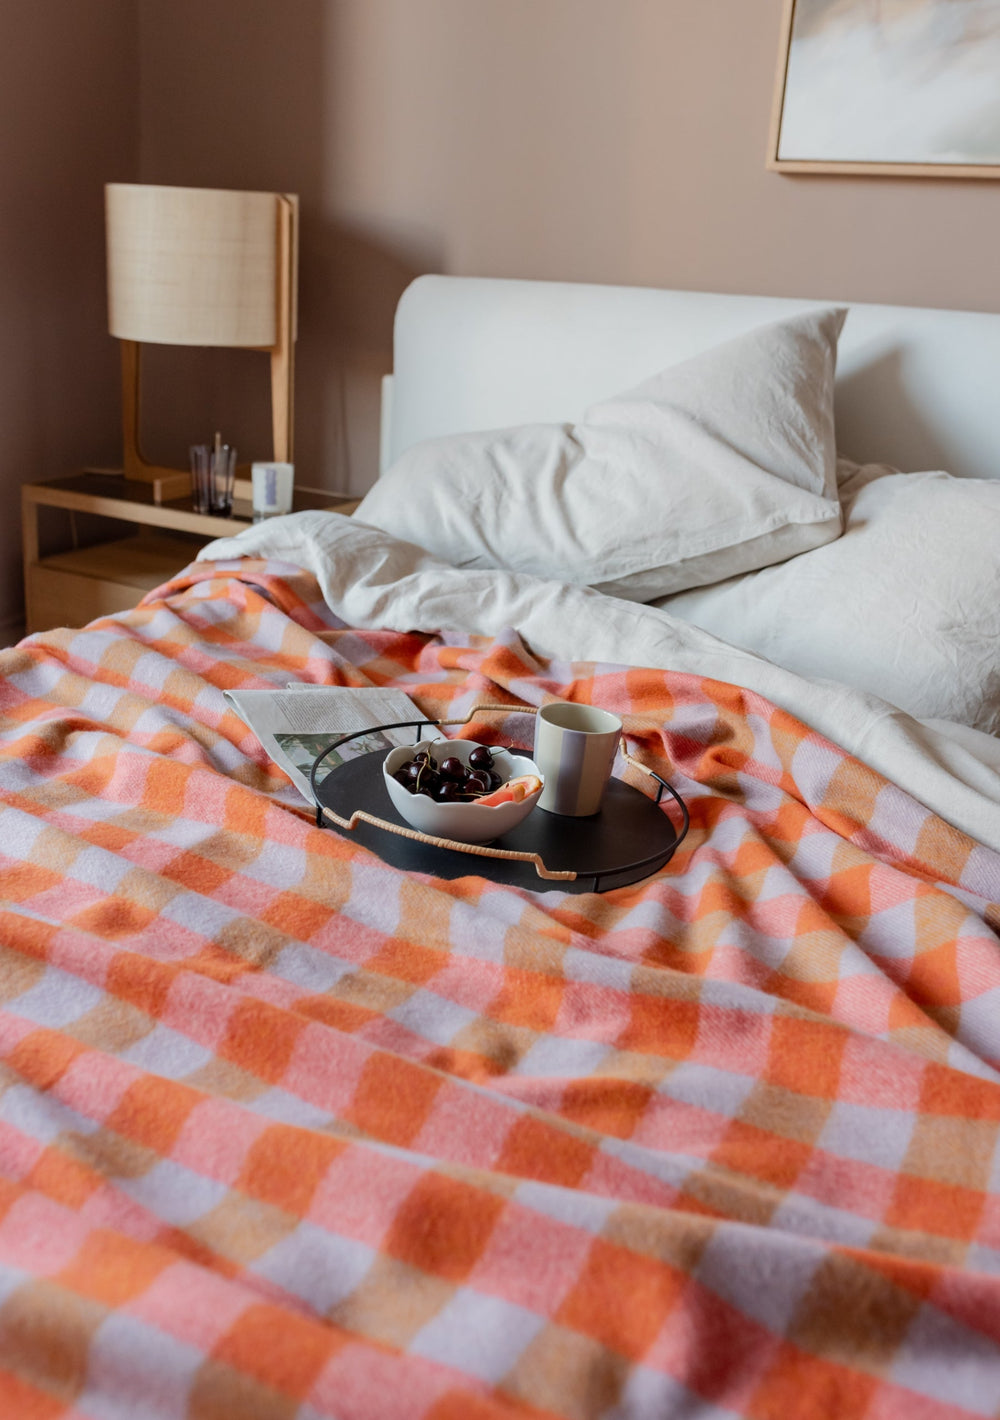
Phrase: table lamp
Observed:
(201, 266)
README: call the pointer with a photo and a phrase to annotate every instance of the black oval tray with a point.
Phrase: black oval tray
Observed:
(631, 838)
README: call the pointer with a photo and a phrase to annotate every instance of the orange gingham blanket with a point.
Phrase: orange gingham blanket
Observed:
(286, 1132)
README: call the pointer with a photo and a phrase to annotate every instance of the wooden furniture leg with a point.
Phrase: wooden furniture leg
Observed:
(283, 354)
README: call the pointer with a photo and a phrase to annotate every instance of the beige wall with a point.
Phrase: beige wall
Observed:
(594, 140)
(68, 123)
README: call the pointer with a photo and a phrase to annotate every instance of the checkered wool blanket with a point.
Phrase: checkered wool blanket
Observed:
(285, 1132)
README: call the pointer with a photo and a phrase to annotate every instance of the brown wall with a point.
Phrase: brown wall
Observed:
(68, 123)
(594, 140)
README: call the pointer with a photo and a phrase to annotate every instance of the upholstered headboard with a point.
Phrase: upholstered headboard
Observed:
(915, 388)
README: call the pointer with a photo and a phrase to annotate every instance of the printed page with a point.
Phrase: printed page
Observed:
(296, 724)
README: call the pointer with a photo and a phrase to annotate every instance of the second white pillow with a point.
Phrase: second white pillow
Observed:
(714, 467)
(905, 605)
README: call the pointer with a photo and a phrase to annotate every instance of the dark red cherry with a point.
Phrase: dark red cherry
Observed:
(481, 758)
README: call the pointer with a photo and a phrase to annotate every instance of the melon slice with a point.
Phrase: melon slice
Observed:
(513, 791)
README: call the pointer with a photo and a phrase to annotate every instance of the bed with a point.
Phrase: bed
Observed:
(287, 1132)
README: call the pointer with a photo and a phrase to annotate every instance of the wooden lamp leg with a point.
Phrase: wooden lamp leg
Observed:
(283, 353)
(134, 464)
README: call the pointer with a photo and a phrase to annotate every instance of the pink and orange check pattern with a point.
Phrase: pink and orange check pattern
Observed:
(285, 1132)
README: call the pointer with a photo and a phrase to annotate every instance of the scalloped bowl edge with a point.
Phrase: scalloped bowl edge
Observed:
(464, 823)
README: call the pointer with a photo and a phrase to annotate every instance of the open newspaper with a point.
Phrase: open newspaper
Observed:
(296, 724)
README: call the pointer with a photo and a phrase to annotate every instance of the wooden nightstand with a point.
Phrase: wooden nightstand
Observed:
(73, 587)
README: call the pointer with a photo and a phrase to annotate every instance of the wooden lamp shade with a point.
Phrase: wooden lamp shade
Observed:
(201, 266)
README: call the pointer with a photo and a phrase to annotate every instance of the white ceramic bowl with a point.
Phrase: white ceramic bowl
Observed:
(465, 823)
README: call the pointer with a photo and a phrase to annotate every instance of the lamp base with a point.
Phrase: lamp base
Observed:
(167, 483)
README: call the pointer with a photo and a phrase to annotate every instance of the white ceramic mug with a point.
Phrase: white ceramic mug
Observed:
(575, 748)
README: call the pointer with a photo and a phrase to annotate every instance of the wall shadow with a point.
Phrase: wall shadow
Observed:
(268, 70)
(68, 122)
(349, 288)
(879, 420)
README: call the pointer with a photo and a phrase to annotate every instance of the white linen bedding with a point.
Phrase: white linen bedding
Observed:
(906, 603)
(710, 468)
(371, 579)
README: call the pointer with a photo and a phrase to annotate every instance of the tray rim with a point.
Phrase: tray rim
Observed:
(483, 850)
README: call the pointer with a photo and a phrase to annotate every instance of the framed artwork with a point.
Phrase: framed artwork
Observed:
(904, 87)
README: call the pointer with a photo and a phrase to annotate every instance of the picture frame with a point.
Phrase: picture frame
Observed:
(853, 85)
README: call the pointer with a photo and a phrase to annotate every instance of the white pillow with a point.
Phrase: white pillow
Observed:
(721, 464)
(906, 604)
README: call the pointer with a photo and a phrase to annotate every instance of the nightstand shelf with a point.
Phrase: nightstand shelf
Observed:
(74, 586)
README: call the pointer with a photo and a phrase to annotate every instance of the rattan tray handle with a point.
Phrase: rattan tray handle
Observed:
(480, 850)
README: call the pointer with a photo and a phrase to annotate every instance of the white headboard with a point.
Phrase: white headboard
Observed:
(915, 388)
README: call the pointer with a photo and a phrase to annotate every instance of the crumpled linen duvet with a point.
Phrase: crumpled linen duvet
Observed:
(286, 1132)
(372, 579)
